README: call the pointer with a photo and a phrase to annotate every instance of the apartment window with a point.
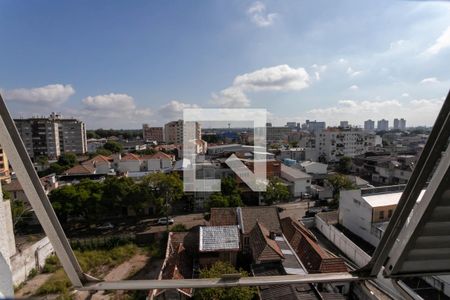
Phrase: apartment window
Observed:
(390, 213)
(382, 214)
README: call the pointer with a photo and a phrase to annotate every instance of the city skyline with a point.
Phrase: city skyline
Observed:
(327, 62)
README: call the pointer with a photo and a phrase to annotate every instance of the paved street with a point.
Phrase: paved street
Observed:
(296, 210)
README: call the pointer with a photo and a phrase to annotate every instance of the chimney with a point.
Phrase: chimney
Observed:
(272, 235)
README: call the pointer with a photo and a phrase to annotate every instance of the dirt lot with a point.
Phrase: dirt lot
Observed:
(296, 210)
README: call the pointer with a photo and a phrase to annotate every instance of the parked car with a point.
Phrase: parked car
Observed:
(106, 225)
(165, 221)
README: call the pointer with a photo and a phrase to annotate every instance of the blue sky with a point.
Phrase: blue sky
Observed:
(118, 64)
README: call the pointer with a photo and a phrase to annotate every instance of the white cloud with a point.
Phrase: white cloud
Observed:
(441, 43)
(318, 69)
(258, 15)
(112, 110)
(353, 87)
(110, 102)
(405, 95)
(430, 80)
(416, 112)
(50, 94)
(174, 109)
(352, 73)
(277, 78)
(231, 97)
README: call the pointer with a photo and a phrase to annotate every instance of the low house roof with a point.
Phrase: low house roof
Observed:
(219, 238)
(263, 247)
(80, 170)
(313, 257)
(292, 172)
(282, 291)
(223, 216)
(387, 199)
(265, 215)
(177, 263)
(130, 156)
(98, 159)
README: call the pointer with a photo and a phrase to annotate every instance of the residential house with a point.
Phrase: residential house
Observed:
(218, 243)
(298, 181)
(366, 212)
(178, 264)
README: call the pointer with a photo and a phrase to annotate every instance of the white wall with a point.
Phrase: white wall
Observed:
(356, 215)
(153, 164)
(30, 258)
(129, 166)
(102, 168)
(8, 243)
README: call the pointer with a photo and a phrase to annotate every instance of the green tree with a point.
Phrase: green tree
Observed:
(339, 182)
(116, 193)
(112, 146)
(67, 159)
(344, 165)
(218, 200)
(232, 293)
(103, 151)
(178, 228)
(276, 192)
(229, 186)
(166, 188)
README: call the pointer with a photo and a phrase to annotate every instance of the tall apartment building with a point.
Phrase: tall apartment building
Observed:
(291, 124)
(314, 126)
(52, 136)
(4, 166)
(400, 124)
(369, 125)
(152, 133)
(334, 143)
(383, 125)
(173, 132)
(276, 134)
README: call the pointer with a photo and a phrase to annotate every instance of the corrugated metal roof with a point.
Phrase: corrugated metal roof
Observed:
(219, 238)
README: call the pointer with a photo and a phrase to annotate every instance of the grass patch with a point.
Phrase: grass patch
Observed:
(94, 262)
(58, 283)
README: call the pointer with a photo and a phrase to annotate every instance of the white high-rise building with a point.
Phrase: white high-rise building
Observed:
(369, 125)
(52, 136)
(334, 143)
(400, 124)
(383, 125)
(173, 132)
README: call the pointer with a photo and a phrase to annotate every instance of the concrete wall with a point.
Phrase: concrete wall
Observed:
(130, 166)
(356, 215)
(354, 253)
(7, 248)
(30, 258)
(350, 249)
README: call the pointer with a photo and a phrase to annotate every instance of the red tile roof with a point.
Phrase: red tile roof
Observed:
(264, 248)
(223, 216)
(130, 156)
(177, 264)
(266, 215)
(80, 170)
(99, 159)
(313, 257)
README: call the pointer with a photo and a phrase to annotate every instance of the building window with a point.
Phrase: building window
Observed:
(390, 213)
(382, 214)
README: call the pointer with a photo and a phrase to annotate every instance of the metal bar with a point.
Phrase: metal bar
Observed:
(420, 216)
(13, 146)
(220, 282)
(430, 155)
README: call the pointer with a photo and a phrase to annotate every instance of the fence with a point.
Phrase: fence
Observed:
(350, 249)
(30, 258)
(109, 241)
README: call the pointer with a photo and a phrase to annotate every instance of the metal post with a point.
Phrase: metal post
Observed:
(18, 156)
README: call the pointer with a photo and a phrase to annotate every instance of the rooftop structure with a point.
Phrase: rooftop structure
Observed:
(219, 238)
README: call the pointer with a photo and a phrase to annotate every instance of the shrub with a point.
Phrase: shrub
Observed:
(51, 264)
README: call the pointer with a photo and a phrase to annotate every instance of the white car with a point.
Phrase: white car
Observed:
(165, 221)
(106, 225)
